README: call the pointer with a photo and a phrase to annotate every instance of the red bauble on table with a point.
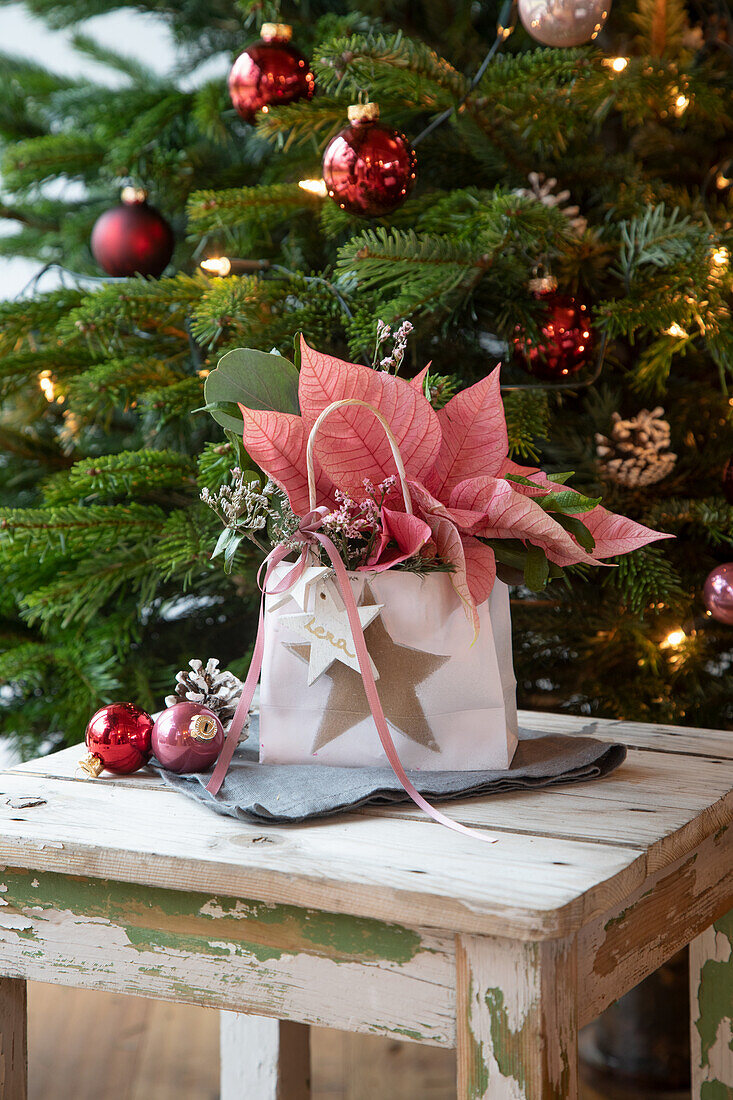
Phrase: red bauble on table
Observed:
(567, 338)
(270, 72)
(119, 740)
(368, 168)
(132, 238)
(187, 737)
(717, 593)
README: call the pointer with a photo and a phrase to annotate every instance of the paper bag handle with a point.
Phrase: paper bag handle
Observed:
(388, 432)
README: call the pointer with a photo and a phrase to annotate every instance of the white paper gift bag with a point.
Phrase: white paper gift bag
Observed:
(449, 701)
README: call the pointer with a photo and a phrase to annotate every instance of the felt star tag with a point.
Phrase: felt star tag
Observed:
(326, 629)
(301, 590)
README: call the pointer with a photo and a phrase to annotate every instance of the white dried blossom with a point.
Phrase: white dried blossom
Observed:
(393, 361)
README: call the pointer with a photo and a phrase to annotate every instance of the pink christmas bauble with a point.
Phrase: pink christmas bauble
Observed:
(717, 593)
(187, 737)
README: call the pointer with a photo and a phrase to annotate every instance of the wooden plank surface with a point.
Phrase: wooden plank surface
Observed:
(410, 871)
(564, 857)
(711, 1011)
(13, 1039)
(263, 1059)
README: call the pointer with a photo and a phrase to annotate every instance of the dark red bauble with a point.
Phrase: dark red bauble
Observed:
(119, 739)
(368, 168)
(728, 481)
(270, 72)
(567, 338)
(132, 238)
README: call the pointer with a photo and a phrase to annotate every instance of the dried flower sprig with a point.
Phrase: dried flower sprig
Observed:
(244, 508)
(393, 361)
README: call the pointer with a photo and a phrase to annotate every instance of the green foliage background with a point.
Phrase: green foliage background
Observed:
(106, 582)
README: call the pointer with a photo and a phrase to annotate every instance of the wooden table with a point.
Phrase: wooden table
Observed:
(382, 921)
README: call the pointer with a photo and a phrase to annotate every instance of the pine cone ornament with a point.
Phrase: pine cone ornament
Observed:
(637, 451)
(543, 190)
(210, 687)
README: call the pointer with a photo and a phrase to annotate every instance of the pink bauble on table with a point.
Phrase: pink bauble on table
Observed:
(187, 737)
(717, 593)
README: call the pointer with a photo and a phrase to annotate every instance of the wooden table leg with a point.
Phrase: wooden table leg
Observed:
(711, 1011)
(263, 1059)
(13, 1039)
(516, 1008)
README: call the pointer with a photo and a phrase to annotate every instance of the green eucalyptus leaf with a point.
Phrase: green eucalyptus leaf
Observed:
(253, 378)
(223, 541)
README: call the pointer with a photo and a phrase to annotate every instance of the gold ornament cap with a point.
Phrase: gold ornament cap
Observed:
(131, 196)
(202, 727)
(276, 32)
(93, 765)
(363, 112)
(543, 284)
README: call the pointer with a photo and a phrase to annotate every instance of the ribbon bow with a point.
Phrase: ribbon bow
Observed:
(311, 534)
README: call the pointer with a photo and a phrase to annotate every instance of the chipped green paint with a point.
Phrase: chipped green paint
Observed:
(721, 832)
(159, 919)
(478, 1071)
(511, 1048)
(715, 1090)
(715, 995)
(618, 919)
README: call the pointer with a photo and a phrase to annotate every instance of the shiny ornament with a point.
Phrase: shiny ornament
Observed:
(270, 72)
(567, 338)
(728, 481)
(717, 593)
(187, 737)
(132, 238)
(563, 22)
(119, 740)
(368, 168)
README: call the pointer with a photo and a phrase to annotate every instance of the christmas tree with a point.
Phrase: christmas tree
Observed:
(586, 186)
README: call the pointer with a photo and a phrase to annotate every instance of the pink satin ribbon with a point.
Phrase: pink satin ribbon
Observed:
(309, 532)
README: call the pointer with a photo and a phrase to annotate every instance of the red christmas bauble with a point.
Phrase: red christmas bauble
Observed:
(567, 337)
(132, 238)
(187, 737)
(728, 481)
(269, 72)
(717, 593)
(368, 168)
(119, 739)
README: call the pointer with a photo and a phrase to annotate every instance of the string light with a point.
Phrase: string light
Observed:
(45, 381)
(618, 64)
(217, 265)
(721, 257)
(677, 331)
(722, 181)
(681, 103)
(674, 639)
(314, 187)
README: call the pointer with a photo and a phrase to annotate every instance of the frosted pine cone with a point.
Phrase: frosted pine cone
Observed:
(637, 451)
(208, 685)
(543, 189)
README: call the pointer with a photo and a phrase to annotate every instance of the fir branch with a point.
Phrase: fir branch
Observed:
(220, 211)
(140, 475)
(528, 421)
(73, 155)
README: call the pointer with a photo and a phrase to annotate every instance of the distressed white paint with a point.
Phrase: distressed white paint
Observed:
(262, 1059)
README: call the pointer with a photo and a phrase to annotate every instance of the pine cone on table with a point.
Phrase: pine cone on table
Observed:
(209, 685)
(636, 453)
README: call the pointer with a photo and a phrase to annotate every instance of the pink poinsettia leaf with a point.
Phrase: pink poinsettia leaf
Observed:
(419, 380)
(475, 441)
(480, 568)
(409, 533)
(510, 515)
(615, 534)
(277, 443)
(352, 444)
(449, 546)
(428, 505)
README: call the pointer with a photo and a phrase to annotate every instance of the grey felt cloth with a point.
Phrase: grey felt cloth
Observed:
(288, 793)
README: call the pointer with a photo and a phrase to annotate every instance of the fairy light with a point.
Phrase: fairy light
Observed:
(203, 373)
(674, 639)
(618, 64)
(45, 381)
(720, 257)
(677, 331)
(681, 103)
(722, 181)
(314, 187)
(217, 265)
